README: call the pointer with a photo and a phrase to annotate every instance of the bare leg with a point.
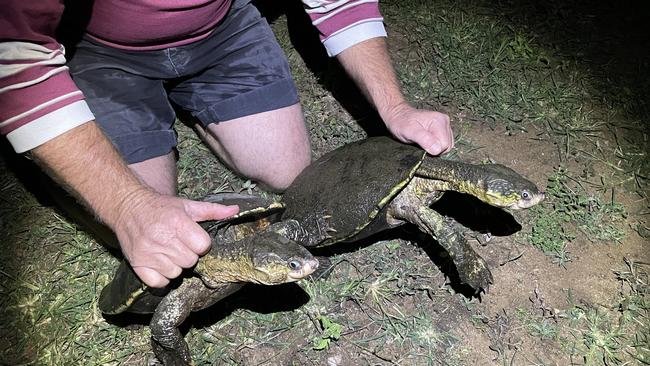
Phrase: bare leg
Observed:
(271, 147)
(158, 173)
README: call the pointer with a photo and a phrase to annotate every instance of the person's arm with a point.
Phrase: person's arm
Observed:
(369, 65)
(353, 31)
(42, 112)
(158, 234)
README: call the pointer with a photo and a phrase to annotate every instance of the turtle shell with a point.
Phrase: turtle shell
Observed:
(350, 186)
(126, 293)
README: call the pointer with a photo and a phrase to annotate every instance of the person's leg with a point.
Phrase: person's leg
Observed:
(125, 92)
(245, 99)
(158, 173)
(271, 147)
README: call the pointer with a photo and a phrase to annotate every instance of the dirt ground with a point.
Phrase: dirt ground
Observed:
(534, 282)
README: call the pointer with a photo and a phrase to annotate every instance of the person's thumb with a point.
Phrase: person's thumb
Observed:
(150, 277)
(428, 142)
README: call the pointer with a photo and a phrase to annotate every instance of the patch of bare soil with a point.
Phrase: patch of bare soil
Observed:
(528, 282)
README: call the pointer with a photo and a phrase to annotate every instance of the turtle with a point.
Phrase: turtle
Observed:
(378, 183)
(244, 249)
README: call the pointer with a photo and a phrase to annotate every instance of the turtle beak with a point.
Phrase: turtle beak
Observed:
(308, 267)
(537, 198)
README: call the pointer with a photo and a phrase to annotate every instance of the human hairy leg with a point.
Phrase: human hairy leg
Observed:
(270, 147)
(158, 173)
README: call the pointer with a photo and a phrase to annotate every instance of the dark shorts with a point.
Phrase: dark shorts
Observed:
(237, 71)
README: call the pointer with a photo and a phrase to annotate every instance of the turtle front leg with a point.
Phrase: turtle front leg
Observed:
(471, 268)
(166, 340)
(313, 232)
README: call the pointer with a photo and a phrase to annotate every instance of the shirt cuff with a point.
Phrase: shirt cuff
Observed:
(49, 126)
(353, 34)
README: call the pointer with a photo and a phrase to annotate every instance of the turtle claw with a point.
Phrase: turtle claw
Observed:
(325, 231)
(483, 238)
(482, 290)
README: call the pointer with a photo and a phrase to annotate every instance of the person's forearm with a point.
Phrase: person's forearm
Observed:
(369, 65)
(158, 234)
(85, 162)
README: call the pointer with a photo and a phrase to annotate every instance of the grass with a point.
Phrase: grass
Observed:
(54, 303)
(601, 341)
(597, 334)
(330, 331)
(634, 307)
(499, 69)
(616, 336)
(570, 211)
(495, 71)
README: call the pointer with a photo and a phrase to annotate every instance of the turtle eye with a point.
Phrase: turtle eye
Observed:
(295, 265)
(525, 195)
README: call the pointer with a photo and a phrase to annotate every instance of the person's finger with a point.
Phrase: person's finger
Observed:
(164, 265)
(151, 277)
(434, 149)
(429, 143)
(181, 255)
(441, 127)
(203, 211)
(452, 143)
(194, 237)
(425, 139)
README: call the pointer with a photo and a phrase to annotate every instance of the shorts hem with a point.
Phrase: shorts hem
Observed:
(138, 147)
(279, 94)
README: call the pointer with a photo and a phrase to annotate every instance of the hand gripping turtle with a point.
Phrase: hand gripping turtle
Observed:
(244, 249)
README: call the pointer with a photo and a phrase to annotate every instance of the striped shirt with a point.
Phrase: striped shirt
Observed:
(38, 99)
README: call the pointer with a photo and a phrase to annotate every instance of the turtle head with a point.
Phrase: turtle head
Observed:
(265, 257)
(503, 187)
(276, 259)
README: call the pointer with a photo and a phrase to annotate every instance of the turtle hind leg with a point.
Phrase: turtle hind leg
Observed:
(166, 340)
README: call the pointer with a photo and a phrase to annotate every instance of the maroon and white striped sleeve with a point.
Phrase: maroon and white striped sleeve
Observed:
(38, 99)
(344, 23)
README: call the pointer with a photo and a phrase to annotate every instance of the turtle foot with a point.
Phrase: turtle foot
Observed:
(483, 238)
(476, 274)
(170, 356)
(326, 232)
(154, 361)
(318, 231)
(309, 233)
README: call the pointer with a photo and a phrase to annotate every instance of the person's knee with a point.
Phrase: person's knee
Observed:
(271, 147)
(279, 177)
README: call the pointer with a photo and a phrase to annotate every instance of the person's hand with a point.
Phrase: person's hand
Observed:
(159, 235)
(431, 130)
